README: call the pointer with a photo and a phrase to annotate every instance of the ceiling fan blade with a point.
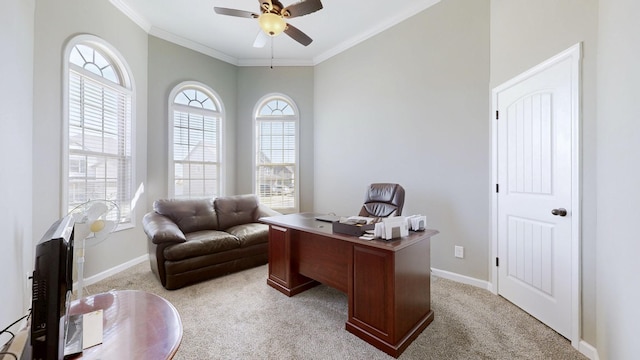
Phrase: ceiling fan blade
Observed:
(303, 7)
(297, 35)
(234, 12)
(261, 39)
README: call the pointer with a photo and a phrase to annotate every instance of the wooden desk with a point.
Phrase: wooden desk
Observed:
(136, 325)
(388, 283)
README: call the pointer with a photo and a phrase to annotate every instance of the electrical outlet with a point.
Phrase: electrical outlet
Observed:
(459, 252)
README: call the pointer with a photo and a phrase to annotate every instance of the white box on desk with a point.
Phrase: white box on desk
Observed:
(395, 227)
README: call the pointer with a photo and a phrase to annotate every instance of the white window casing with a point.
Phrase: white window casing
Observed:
(98, 142)
(195, 142)
(276, 156)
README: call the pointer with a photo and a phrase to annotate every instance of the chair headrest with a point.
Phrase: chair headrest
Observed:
(383, 200)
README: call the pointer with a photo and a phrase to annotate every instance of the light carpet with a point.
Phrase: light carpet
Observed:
(239, 316)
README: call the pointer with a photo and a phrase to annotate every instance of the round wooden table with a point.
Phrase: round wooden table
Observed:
(136, 325)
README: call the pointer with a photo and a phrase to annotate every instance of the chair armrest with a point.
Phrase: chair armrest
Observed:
(160, 229)
(264, 211)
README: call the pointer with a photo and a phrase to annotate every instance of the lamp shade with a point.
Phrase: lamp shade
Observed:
(272, 24)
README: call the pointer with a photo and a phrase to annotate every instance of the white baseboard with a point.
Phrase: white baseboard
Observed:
(588, 350)
(461, 278)
(584, 347)
(114, 270)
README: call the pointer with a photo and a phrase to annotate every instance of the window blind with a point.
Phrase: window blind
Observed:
(276, 155)
(100, 154)
(196, 154)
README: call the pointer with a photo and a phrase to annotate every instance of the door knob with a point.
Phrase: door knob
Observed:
(559, 212)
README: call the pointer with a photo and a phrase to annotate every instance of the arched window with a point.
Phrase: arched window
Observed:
(195, 142)
(98, 118)
(276, 153)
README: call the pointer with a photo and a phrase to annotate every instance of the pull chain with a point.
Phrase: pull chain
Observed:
(271, 51)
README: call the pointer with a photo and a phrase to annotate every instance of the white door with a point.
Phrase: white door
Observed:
(536, 120)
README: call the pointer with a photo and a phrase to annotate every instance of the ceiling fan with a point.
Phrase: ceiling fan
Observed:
(272, 18)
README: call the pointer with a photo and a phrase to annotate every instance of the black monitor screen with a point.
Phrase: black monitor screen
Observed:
(52, 287)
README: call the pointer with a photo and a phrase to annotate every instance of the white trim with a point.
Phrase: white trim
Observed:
(390, 22)
(143, 23)
(189, 44)
(132, 14)
(129, 84)
(588, 350)
(114, 270)
(584, 347)
(203, 49)
(254, 116)
(215, 97)
(574, 53)
(482, 284)
(275, 62)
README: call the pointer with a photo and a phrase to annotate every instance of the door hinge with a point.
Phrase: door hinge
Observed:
(497, 114)
(497, 261)
(497, 188)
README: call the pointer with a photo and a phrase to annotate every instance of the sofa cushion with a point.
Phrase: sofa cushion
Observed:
(189, 214)
(250, 234)
(236, 210)
(201, 243)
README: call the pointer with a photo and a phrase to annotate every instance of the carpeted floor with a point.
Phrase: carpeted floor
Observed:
(239, 317)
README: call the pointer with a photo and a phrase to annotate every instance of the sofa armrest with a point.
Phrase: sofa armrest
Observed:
(264, 211)
(160, 229)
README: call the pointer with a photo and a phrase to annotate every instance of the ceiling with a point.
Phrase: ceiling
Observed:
(340, 25)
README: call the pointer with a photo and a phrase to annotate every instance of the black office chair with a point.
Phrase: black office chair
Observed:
(383, 200)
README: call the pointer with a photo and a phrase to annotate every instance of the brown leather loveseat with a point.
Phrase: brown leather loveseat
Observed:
(199, 239)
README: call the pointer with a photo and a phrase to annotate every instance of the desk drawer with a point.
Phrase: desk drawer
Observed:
(322, 258)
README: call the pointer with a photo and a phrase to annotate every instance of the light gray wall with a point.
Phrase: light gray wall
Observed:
(525, 33)
(16, 123)
(253, 84)
(618, 155)
(55, 23)
(432, 102)
(169, 65)
(411, 106)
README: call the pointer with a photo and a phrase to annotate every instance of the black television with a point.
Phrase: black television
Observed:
(52, 290)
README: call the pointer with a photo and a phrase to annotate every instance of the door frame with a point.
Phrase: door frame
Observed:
(574, 54)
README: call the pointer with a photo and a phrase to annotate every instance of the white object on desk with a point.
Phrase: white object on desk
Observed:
(395, 227)
(91, 329)
(391, 228)
(357, 219)
(366, 236)
(417, 222)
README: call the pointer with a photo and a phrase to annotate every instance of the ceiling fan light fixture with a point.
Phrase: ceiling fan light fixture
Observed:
(272, 24)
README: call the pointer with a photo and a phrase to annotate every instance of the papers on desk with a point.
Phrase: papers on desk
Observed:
(417, 222)
(399, 226)
(391, 228)
(353, 225)
(383, 228)
(91, 329)
(363, 220)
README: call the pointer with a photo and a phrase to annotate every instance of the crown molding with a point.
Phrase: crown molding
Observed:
(132, 14)
(195, 46)
(275, 62)
(390, 22)
(343, 46)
